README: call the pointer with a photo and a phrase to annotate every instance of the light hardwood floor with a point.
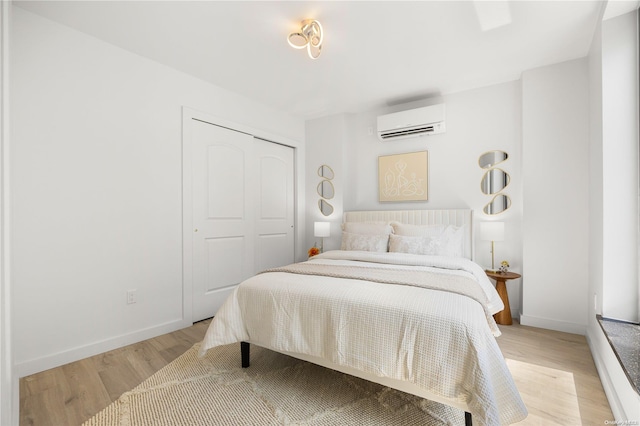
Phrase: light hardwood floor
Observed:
(553, 371)
(556, 376)
(73, 393)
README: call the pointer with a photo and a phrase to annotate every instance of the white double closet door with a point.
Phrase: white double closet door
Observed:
(243, 211)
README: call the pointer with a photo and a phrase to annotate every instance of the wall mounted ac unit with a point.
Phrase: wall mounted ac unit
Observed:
(412, 123)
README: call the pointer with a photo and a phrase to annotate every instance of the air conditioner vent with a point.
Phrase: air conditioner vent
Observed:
(407, 132)
(412, 123)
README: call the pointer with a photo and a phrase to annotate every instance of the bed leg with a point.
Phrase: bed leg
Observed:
(244, 351)
(467, 419)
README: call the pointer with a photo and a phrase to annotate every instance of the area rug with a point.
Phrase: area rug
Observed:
(275, 390)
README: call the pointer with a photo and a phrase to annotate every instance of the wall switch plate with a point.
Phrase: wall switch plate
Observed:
(131, 297)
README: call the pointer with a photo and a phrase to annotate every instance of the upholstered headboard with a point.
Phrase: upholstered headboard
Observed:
(455, 217)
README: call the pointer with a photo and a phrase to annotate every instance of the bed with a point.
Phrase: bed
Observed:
(409, 310)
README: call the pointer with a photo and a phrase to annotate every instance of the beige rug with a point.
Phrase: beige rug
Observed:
(275, 390)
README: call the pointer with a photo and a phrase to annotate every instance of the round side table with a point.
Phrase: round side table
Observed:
(503, 317)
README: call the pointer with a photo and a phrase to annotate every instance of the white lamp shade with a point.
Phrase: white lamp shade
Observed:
(322, 229)
(492, 231)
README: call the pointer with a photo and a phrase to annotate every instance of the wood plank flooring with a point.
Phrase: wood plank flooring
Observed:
(553, 371)
(555, 375)
(73, 393)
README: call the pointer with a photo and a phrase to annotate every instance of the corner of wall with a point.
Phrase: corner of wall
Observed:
(325, 139)
(9, 389)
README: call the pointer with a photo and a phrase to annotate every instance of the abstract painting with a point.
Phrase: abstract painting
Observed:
(403, 177)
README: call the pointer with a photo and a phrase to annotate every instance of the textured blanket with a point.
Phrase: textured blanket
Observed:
(440, 341)
(419, 278)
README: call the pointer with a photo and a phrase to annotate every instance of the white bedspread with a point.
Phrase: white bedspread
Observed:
(437, 340)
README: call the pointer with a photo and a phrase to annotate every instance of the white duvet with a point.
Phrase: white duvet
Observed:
(438, 340)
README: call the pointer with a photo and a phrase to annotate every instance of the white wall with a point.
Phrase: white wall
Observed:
(620, 166)
(477, 121)
(623, 399)
(96, 185)
(9, 396)
(325, 139)
(555, 112)
(596, 196)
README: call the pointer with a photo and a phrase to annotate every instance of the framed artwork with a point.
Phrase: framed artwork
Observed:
(403, 177)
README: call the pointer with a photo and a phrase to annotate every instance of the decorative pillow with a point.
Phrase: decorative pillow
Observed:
(449, 242)
(417, 230)
(364, 242)
(414, 245)
(367, 228)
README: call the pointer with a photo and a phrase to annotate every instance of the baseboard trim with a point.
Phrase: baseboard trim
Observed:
(37, 365)
(605, 378)
(550, 324)
(622, 395)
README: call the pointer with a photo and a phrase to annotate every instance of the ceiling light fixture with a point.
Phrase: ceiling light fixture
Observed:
(310, 36)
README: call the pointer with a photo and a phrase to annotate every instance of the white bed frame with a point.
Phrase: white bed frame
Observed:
(456, 217)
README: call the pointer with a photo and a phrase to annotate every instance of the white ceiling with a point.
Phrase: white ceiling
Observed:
(375, 53)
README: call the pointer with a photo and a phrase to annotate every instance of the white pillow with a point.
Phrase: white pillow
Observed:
(452, 241)
(417, 230)
(449, 242)
(367, 228)
(378, 243)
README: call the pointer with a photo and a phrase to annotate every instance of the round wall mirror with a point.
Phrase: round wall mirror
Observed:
(498, 204)
(325, 208)
(325, 189)
(492, 158)
(325, 171)
(494, 181)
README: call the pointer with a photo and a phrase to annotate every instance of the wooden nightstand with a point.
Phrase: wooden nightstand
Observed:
(503, 317)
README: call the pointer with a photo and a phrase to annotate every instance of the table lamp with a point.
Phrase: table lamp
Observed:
(492, 231)
(321, 230)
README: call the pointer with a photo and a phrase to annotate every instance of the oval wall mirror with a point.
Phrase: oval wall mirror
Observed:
(325, 189)
(325, 208)
(492, 158)
(325, 171)
(494, 181)
(498, 204)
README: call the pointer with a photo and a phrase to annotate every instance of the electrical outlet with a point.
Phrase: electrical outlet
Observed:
(595, 302)
(131, 297)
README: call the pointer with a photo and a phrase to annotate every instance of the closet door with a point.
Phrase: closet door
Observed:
(223, 178)
(274, 221)
(242, 191)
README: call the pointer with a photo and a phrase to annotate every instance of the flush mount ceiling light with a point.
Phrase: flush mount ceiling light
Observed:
(310, 36)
